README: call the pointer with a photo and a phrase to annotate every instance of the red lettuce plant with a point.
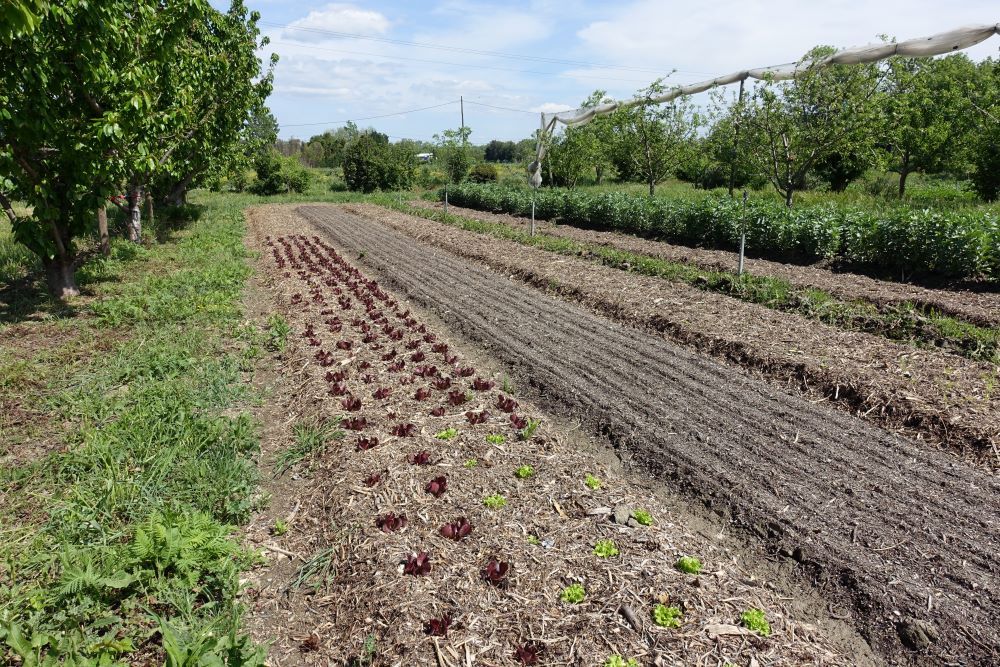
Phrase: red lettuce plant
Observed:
(338, 389)
(351, 403)
(426, 371)
(418, 564)
(441, 383)
(396, 366)
(389, 356)
(465, 372)
(438, 627)
(390, 523)
(418, 356)
(440, 348)
(355, 423)
(480, 384)
(422, 394)
(437, 412)
(456, 530)
(519, 421)
(451, 359)
(529, 654)
(404, 430)
(382, 393)
(365, 365)
(457, 397)
(437, 486)
(412, 344)
(339, 376)
(477, 417)
(364, 444)
(506, 404)
(420, 458)
(344, 344)
(496, 572)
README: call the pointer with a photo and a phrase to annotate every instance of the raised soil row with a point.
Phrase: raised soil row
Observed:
(908, 536)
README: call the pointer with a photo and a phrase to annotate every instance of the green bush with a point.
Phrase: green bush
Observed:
(484, 172)
(277, 175)
(896, 239)
(372, 163)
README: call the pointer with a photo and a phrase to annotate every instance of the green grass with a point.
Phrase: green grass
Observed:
(122, 539)
(16, 261)
(311, 437)
(905, 322)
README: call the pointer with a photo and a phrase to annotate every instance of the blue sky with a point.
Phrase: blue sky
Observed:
(567, 50)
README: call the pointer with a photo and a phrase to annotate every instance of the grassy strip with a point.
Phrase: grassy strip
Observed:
(119, 547)
(905, 322)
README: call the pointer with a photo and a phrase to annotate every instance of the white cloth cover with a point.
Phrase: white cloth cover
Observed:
(945, 42)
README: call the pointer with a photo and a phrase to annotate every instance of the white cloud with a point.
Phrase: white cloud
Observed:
(551, 107)
(336, 17)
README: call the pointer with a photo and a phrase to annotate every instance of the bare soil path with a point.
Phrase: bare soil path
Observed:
(979, 307)
(905, 536)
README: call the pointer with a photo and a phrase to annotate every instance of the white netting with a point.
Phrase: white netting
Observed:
(945, 42)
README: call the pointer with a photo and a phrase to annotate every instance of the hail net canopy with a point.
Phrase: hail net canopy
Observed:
(945, 42)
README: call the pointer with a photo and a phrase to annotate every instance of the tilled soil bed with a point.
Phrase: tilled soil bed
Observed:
(359, 514)
(905, 536)
(979, 307)
(927, 394)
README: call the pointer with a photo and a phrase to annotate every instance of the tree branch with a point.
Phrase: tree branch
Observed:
(7, 208)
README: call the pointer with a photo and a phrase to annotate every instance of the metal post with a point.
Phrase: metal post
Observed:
(531, 231)
(736, 139)
(743, 234)
(446, 201)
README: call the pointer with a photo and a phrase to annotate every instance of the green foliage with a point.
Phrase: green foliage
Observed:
(605, 549)
(470, 463)
(754, 619)
(959, 243)
(277, 332)
(524, 472)
(310, 438)
(688, 565)
(667, 617)
(372, 163)
(592, 482)
(484, 173)
(529, 430)
(618, 661)
(496, 438)
(453, 150)
(446, 434)
(280, 527)
(279, 175)
(573, 594)
(495, 501)
(642, 517)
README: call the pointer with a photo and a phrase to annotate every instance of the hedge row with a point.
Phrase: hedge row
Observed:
(955, 244)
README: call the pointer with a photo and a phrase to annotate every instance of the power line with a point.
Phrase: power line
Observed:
(459, 49)
(466, 65)
(385, 115)
(493, 106)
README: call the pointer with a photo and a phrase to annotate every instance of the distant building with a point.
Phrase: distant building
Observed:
(425, 157)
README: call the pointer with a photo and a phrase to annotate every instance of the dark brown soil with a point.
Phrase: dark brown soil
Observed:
(928, 394)
(906, 536)
(358, 591)
(979, 307)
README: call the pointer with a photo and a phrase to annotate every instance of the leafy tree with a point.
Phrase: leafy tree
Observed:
(651, 138)
(984, 137)
(453, 150)
(371, 163)
(582, 150)
(277, 175)
(929, 113)
(500, 151)
(793, 126)
(20, 17)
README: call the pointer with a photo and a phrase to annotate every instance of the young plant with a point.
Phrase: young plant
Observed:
(618, 661)
(496, 438)
(364, 444)
(280, 527)
(495, 501)
(418, 564)
(309, 438)
(529, 654)
(373, 479)
(496, 572)
(404, 430)
(688, 565)
(441, 383)
(437, 412)
(667, 617)
(592, 482)
(642, 517)
(355, 423)
(477, 417)
(524, 472)
(277, 333)
(605, 549)
(382, 393)
(351, 403)
(422, 394)
(470, 463)
(446, 434)
(518, 421)
(754, 619)
(573, 594)
(457, 397)
(465, 372)
(505, 403)
(390, 523)
(481, 384)
(437, 486)
(438, 627)
(529, 430)
(421, 458)
(456, 530)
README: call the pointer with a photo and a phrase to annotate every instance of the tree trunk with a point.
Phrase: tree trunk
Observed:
(60, 275)
(102, 229)
(149, 210)
(904, 171)
(600, 173)
(652, 187)
(178, 195)
(135, 214)
(788, 196)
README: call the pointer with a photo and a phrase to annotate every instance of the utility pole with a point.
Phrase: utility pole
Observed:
(461, 106)
(736, 140)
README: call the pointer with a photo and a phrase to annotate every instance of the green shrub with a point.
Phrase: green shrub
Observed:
(277, 175)
(372, 163)
(957, 242)
(483, 172)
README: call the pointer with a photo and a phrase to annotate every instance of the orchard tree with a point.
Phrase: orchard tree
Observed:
(794, 126)
(20, 17)
(929, 113)
(372, 163)
(984, 135)
(74, 95)
(453, 150)
(650, 138)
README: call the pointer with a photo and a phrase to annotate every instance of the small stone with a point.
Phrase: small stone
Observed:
(621, 514)
(917, 634)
